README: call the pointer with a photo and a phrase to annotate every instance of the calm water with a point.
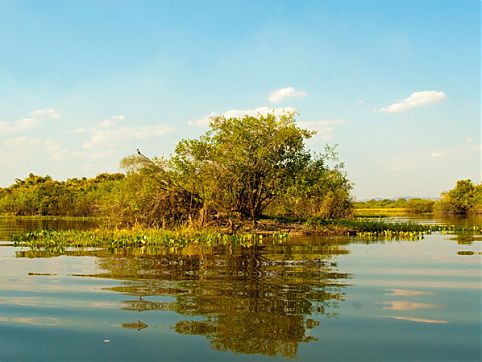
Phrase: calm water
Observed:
(313, 299)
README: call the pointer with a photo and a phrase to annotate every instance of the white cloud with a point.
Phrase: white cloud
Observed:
(238, 113)
(118, 117)
(111, 121)
(24, 124)
(108, 133)
(284, 93)
(94, 155)
(79, 130)
(46, 113)
(325, 129)
(436, 154)
(18, 126)
(204, 121)
(416, 99)
(21, 148)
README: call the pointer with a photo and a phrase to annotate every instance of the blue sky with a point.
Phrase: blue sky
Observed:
(396, 84)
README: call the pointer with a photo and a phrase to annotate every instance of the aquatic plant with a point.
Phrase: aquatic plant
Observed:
(143, 237)
(377, 229)
(119, 238)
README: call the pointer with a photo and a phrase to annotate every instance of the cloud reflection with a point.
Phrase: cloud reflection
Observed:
(407, 305)
(34, 321)
(416, 319)
(406, 293)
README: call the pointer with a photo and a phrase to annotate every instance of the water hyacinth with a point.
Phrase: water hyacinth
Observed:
(137, 237)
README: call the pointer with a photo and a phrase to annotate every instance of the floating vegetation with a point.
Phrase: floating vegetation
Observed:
(390, 235)
(150, 237)
(469, 252)
(138, 237)
(376, 229)
(139, 325)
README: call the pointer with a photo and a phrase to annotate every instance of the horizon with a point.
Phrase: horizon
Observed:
(395, 85)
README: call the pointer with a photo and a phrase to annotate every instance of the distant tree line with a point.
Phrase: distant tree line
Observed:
(464, 198)
(240, 169)
(37, 195)
(413, 205)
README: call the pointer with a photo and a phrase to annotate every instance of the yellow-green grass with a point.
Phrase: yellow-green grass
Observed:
(382, 211)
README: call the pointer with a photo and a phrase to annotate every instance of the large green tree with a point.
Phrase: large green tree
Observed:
(241, 165)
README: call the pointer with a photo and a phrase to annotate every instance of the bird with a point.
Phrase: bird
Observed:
(139, 152)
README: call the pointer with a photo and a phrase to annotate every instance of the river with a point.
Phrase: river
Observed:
(310, 298)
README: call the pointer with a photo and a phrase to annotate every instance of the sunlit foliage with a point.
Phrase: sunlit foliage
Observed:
(410, 205)
(465, 197)
(37, 195)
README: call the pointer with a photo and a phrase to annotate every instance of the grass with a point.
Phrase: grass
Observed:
(384, 211)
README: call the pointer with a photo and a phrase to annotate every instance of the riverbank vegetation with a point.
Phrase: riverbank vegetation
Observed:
(44, 196)
(243, 176)
(138, 236)
(240, 170)
(396, 206)
(465, 198)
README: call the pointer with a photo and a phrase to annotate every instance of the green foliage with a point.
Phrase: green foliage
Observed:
(382, 204)
(37, 195)
(465, 198)
(242, 164)
(140, 237)
(318, 190)
(415, 205)
(151, 194)
(420, 206)
(374, 229)
(239, 169)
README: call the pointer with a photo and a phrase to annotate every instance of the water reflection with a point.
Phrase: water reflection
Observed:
(458, 220)
(263, 299)
(12, 225)
(417, 320)
(246, 300)
(272, 300)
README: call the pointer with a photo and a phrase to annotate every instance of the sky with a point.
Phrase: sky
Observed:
(394, 84)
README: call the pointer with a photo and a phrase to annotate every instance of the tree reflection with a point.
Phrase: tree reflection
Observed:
(261, 299)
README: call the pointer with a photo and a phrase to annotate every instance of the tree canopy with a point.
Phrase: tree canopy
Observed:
(240, 166)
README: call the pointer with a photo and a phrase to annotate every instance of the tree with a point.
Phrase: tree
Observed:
(320, 189)
(462, 199)
(420, 206)
(151, 194)
(242, 164)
